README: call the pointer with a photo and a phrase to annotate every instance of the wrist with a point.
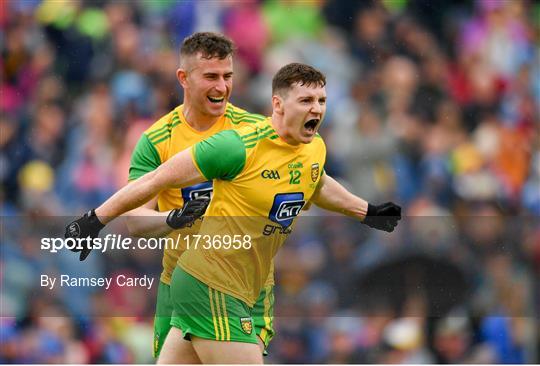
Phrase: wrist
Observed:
(98, 214)
(168, 220)
(367, 210)
(95, 219)
(371, 210)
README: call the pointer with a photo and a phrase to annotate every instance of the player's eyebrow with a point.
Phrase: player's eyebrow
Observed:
(211, 73)
(311, 97)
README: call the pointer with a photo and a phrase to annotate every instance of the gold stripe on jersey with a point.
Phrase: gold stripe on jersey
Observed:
(249, 143)
(250, 139)
(171, 120)
(165, 132)
(246, 136)
(162, 137)
(238, 115)
(164, 129)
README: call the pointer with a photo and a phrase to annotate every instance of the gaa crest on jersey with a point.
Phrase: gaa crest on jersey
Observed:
(314, 172)
(270, 174)
(196, 191)
(286, 207)
(247, 325)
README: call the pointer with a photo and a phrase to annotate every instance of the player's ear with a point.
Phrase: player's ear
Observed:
(277, 104)
(181, 75)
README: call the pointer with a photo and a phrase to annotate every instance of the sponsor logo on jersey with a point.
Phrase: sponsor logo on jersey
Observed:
(276, 229)
(198, 190)
(314, 171)
(270, 174)
(297, 165)
(286, 207)
(247, 325)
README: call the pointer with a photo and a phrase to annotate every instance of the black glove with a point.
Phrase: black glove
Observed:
(86, 226)
(383, 217)
(192, 210)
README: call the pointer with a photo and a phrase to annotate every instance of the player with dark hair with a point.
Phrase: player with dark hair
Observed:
(206, 75)
(214, 289)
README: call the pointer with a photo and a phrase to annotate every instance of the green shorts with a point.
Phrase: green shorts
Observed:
(261, 314)
(162, 318)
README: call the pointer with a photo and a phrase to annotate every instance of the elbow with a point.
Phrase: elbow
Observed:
(152, 182)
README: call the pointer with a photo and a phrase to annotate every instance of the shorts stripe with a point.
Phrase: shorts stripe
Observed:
(199, 311)
(267, 318)
(263, 335)
(227, 329)
(213, 313)
(220, 318)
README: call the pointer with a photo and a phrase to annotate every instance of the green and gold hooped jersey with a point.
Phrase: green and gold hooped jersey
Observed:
(261, 184)
(161, 141)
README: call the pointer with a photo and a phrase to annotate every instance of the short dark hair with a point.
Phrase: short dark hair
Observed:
(297, 73)
(209, 44)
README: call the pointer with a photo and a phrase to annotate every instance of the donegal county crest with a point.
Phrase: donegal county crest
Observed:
(314, 171)
(247, 325)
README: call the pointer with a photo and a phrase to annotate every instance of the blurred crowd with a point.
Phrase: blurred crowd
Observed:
(432, 104)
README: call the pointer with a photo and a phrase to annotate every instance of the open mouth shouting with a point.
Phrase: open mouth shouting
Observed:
(216, 100)
(311, 125)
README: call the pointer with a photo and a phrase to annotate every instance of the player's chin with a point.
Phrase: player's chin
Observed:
(216, 110)
(306, 139)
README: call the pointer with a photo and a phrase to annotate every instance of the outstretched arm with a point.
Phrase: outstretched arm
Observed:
(146, 220)
(332, 196)
(179, 171)
(176, 172)
(221, 156)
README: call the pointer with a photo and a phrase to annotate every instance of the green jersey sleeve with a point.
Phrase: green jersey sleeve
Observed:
(222, 156)
(144, 159)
